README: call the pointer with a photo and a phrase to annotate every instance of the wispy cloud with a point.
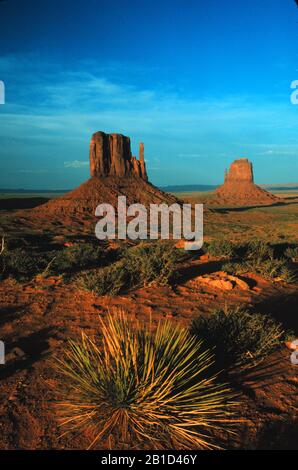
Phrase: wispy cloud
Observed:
(76, 164)
(51, 112)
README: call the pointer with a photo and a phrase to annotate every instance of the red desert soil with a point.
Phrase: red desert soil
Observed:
(37, 319)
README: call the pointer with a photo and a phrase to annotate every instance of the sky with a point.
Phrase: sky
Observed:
(201, 83)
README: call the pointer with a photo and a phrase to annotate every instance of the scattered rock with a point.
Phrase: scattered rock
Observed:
(15, 354)
(222, 280)
(293, 345)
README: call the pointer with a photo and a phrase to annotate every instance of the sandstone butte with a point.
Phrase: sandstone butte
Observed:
(110, 155)
(239, 188)
(114, 172)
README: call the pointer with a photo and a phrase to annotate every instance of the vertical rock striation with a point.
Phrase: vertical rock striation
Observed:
(110, 155)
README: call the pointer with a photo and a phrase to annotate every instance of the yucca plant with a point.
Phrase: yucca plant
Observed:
(142, 389)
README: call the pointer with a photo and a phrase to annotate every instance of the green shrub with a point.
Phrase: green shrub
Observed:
(21, 263)
(152, 262)
(109, 280)
(292, 253)
(258, 250)
(142, 389)
(257, 256)
(276, 268)
(77, 257)
(238, 335)
(253, 249)
(270, 268)
(25, 262)
(223, 248)
(139, 266)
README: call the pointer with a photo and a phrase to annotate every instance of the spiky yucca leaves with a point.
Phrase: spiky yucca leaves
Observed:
(143, 389)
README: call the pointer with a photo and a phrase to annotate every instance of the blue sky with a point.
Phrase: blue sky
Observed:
(200, 82)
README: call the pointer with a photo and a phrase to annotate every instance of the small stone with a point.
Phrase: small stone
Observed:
(222, 280)
(15, 354)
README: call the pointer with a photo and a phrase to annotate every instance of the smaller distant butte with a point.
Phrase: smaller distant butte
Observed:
(239, 188)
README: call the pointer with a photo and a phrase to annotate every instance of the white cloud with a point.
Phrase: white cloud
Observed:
(76, 164)
(52, 112)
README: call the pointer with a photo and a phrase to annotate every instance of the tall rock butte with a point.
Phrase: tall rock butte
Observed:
(239, 188)
(110, 155)
(114, 172)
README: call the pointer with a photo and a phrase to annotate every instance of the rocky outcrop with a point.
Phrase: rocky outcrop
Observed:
(239, 188)
(110, 155)
(142, 162)
(114, 172)
(222, 280)
(240, 171)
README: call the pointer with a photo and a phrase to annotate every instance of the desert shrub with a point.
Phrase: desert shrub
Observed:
(292, 253)
(26, 262)
(270, 268)
(141, 388)
(238, 335)
(256, 249)
(277, 268)
(21, 263)
(109, 280)
(253, 249)
(139, 266)
(76, 257)
(259, 257)
(231, 268)
(222, 247)
(152, 262)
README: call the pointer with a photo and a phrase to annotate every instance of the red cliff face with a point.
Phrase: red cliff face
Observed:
(142, 162)
(110, 155)
(240, 171)
(239, 188)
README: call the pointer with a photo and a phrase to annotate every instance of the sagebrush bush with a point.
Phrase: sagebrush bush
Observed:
(21, 263)
(77, 257)
(109, 280)
(270, 268)
(141, 389)
(152, 262)
(253, 249)
(222, 247)
(292, 253)
(256, 249)
(139, 266)
(26, 262)
(238, 335)
(259, 257)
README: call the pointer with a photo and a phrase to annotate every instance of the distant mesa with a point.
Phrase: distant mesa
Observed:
(239, 188)
(110, 155)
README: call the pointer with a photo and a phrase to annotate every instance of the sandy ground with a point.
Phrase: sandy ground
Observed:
(38, 317)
